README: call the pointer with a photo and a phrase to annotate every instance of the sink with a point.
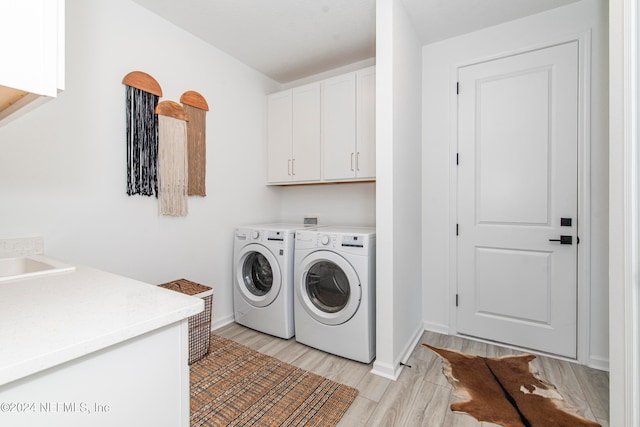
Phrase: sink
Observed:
(28, 266)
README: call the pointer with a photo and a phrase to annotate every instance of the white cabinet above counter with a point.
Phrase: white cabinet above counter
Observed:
(323, 132)
(349, 141)
(294, 135)
(32, 54)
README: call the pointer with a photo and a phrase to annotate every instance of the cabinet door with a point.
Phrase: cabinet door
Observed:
(305, 162)
(279, 120)
(29, 30)
(366, 123)
(339, 127)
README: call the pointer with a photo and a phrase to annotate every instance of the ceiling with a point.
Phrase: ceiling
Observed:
(291, 39)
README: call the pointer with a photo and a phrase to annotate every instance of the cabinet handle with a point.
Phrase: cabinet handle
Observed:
(351, 162)
(293, 166)
(358, 161)
(289, 167)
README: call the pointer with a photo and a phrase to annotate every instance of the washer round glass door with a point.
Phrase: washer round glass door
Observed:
(258, 275)
(329, 288)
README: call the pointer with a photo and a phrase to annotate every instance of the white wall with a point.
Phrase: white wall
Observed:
(62, 167)
(407, 187)
(398, 193)
(439, 59)
(352, 204)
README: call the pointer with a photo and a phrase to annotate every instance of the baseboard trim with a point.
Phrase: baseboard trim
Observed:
(599, 363)
(385, 370)
(392, 372)
(406, 352)
(219, 323)
(436, 327)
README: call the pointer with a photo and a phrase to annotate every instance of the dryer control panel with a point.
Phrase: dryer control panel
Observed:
(340, 240)
(337, 239)
(353, 241)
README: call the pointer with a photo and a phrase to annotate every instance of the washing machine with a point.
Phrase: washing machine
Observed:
(334, 286)
(263, 259)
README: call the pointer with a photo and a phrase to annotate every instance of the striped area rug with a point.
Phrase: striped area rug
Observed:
(237, 386)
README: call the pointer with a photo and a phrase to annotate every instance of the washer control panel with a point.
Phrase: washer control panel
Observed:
(276, 236)
(261, 235)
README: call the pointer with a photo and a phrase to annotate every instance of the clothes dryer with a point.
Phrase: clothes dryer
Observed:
(263, 277)
(334, 286)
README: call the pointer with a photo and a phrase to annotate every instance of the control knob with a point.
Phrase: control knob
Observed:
(324, 240)
(255, 234)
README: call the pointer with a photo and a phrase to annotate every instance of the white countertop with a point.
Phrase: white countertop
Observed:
(52, 319)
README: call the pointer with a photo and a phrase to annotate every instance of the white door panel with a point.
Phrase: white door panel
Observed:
(366, 123)
(518, 149)
(530, 295)
(339, 126)
(517, 177)
(279, 138)
(305, 161)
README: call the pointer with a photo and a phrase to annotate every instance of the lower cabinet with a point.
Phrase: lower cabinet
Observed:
(142, 381)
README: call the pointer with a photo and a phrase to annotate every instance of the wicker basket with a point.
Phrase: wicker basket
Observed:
(199, 324)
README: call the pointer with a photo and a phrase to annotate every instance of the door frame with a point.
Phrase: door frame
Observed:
(584, 184)
(624, 218)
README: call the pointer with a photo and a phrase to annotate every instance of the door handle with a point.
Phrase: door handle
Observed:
(564, 240)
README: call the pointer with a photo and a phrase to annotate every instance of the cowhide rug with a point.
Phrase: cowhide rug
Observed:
(505, 391)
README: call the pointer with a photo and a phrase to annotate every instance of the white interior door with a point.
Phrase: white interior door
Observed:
(517, 179)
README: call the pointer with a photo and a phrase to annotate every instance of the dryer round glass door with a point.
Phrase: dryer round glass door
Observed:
(258, 275)
(329, 288)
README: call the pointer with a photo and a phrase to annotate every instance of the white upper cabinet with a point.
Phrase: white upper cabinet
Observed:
(305, 163)
(366, 123)
(293, 128)
(32, 52)
(323, 132)
(349, 139)
(279, 137)
(339, 127)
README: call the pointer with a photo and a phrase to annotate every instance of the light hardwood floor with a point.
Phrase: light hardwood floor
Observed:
(421, 396)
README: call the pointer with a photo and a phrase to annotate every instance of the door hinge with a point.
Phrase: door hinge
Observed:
(457, 88)
(457, 229)
(457, 300)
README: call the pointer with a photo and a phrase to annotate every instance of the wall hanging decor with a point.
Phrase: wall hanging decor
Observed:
(172, 159)
(196, 108)
(143, 93)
